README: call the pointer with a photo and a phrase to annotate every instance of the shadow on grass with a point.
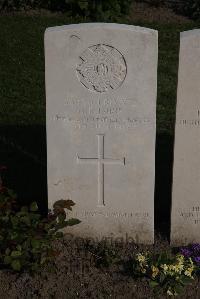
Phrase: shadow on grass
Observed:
(163, 183)
(23, 151)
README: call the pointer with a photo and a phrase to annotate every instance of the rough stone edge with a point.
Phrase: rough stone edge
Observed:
(189, 33)
(102, 25)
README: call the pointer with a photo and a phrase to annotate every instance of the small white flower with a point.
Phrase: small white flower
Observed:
(169, 293)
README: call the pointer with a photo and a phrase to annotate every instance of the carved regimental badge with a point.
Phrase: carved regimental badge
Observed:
(101, 68)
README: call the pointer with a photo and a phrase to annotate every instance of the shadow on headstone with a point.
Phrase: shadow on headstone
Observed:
(23, 152)
(163, 183)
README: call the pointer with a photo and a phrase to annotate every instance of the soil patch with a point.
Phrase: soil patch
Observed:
(146, 13)
(76, 275)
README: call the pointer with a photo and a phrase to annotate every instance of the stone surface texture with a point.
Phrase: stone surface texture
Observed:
(185, 218)
(101, 84)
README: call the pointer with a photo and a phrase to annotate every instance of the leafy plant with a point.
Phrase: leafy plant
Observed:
(190, 8)
(167, 272)
(95, 9)
(25, 236)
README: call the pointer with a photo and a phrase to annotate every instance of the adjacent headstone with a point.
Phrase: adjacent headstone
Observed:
(101, 83)
(185, 218)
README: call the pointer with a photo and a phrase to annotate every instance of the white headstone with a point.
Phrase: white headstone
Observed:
(101, 82)
(185, 218)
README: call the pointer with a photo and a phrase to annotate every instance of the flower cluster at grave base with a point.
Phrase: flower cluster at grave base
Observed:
(169, 272)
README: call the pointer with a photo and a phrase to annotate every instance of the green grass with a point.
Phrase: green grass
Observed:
(22, 85)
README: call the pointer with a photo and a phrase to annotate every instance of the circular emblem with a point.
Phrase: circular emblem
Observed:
(101, 68)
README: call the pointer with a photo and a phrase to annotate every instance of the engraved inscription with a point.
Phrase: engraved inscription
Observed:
(105, 113)
(100, 161)
(101, 68)
(114, 214)
(193, 121)
(104, 122)
(192, 215)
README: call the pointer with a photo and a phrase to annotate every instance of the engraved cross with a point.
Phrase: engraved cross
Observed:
(101, 161)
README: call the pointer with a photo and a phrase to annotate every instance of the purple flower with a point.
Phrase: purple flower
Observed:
(186, 252)
(197, 259)
(196, 247)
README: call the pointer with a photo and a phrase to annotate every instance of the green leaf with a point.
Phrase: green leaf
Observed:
(35, 243)
(24, 209)
(11, 193)
(14, 235)
(7, 260)
(153, 283)
(34, 207)
(26, 220)
(178, 289)
(47, 226)
(83, 4)
(61, 217)
(14, 220)
(16, 265)
(26, 245)
(185, 280)
(19, 247)
(35, 217)
(72, 221)
(7, 252)
(16, 253)
(162, 277)
(5, 219)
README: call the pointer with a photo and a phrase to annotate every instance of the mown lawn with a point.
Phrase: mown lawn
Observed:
(22, 85)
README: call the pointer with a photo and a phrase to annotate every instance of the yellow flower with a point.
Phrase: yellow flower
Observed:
(180, 258)
(189, 271)
(172, 267)
(143, 270)
(171, 270)
(164, 267)
(191, 262)
(141, 258)
(155, 271)
(178, 268)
